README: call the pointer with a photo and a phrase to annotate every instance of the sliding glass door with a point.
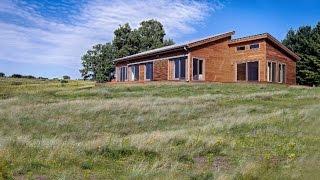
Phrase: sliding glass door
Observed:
(197, 69)
(123, 73)
(149, 71)
(134, 73)
(248, 71)
(179, 68)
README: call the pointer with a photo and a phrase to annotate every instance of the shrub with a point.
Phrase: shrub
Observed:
(16, 76)
(63, 81)
(66, 77)
(2, 74)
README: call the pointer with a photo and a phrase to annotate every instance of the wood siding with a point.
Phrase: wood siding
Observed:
(220, 59)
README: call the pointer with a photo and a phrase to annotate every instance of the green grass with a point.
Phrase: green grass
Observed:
(78, 130)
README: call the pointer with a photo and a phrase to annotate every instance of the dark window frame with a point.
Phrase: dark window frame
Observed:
(123, 73)
(241, 48)
(248, 75)
(135, 71)
(179, 72)
(146, 71)
(196, 72)
(254, 46)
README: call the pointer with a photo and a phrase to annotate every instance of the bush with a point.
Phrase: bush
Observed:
(16, 76)
(63, 81)
(2, 74)
(66, 77)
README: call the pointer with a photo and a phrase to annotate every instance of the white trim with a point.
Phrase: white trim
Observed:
(188, 68)
(203, 69)
(159, 59)
(268, 72)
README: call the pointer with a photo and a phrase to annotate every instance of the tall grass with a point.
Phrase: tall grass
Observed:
(78, 130)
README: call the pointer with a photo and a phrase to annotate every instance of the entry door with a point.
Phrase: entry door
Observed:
(197, 66)
(149, 71)
(180, 68)
(123, 73)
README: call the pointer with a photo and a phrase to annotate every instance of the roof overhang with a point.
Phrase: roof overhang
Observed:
(174, 48)
(270, 38)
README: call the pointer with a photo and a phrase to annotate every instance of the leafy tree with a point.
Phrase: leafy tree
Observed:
(66, 77)
(2, 74)
(152, 35)
(98, 62)
(17, 76)
(306, 43)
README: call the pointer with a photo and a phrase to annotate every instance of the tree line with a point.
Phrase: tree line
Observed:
(306, 43)
(3, 75)
(98, 62)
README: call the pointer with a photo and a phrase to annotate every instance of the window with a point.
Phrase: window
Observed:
(271, 72)
(248, 71)
(241, 48)
(241, 71)
(149, 71)
(135, 73)
(197, 66)
(180, 68)
(282, 73)
(254, 46)
(123, 73)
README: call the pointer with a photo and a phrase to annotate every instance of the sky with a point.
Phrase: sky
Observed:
(48, 37)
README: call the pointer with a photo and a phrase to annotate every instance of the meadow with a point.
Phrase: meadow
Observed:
(83, 130)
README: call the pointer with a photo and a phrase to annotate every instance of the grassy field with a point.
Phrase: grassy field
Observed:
(76, 130)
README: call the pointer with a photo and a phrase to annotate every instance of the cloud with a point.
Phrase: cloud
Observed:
(59, 33)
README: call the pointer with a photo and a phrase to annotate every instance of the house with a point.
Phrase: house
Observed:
(218, 58)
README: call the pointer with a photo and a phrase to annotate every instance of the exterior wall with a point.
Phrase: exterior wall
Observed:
(217, 64)
(141, 72)
(160, 70)
(220, 60)
(274, 54)
(248, 55)
(160, 66)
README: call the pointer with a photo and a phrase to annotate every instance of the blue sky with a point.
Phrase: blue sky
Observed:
(48, 37)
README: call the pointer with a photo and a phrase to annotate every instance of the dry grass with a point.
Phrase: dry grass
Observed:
(165, 131)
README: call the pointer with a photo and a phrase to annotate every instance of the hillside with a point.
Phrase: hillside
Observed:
(78, 130)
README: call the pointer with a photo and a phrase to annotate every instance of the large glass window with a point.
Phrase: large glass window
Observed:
(149, 71)
(197, 69)
(123, 73)
(135, 73)
(180, 68)
(241, 71)
(282, 73)
(271, 71)
(253, 71)
(248, 71)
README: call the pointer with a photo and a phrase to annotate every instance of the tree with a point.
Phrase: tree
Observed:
(17, 76)
(306, 43)
(98, 62)
(2, 74)
(65, 77)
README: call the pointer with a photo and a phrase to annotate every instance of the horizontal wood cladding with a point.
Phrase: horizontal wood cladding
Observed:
(274, 54)
(160, 70)
(239, 56)
(141, 72)
(220, 59)
(217, 66)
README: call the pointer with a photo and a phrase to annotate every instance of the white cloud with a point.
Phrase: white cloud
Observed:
(35, 38)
